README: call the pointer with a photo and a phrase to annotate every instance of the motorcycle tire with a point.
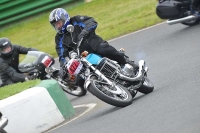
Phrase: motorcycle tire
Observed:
(147, 87)
(99, 90)
(73, 91)
(73, 88)
(191, 23)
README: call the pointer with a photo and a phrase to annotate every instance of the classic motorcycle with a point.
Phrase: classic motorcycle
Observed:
(3, 123)
(106, 79)
(40, 64)
(177, 11)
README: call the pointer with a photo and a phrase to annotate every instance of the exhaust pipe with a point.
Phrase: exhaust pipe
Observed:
(188, 18)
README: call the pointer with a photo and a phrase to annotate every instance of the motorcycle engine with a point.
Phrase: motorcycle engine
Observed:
(128, 70)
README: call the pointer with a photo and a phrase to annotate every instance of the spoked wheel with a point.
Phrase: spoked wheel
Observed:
(115, 95)
(147, 86)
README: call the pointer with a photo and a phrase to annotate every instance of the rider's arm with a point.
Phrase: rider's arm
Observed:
(86, 22)
(61, 52)
(23, 50)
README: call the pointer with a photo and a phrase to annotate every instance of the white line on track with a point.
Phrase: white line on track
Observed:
(90, 106)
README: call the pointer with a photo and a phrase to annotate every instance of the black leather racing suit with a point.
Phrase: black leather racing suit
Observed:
(92, 43)
(9, 71)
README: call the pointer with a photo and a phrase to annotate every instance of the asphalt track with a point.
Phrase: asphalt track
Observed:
(172, 54)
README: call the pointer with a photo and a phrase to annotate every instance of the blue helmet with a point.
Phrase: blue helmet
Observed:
(59, 14)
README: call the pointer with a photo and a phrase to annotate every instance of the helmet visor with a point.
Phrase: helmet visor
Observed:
(6, 49)
(58, 25)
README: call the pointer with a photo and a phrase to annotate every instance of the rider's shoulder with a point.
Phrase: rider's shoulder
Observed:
(79, 18)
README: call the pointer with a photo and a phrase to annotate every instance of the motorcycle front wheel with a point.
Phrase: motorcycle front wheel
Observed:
(102, 91)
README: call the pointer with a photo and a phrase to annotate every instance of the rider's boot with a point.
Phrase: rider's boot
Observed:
(132, 63)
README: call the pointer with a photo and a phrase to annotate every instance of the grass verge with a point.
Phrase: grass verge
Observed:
(13, 89)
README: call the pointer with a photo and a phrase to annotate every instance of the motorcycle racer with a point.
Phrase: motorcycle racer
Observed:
(84, 27)
(9, 61)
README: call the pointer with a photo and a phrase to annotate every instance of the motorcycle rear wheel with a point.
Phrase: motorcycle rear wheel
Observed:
(101, 91)
(191, 23)
(147, 87)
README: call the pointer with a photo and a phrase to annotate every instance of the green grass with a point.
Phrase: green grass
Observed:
(13, 89)
(114, 17)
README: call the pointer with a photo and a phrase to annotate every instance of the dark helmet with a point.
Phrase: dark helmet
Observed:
(59, 14)
(5, 42)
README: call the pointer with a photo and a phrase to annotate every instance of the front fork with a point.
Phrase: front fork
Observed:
(113, 88)
(97, 72)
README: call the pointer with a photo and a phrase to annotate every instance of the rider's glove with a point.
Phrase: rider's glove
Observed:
(83, 34)
(72, 54)
(30, 77)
